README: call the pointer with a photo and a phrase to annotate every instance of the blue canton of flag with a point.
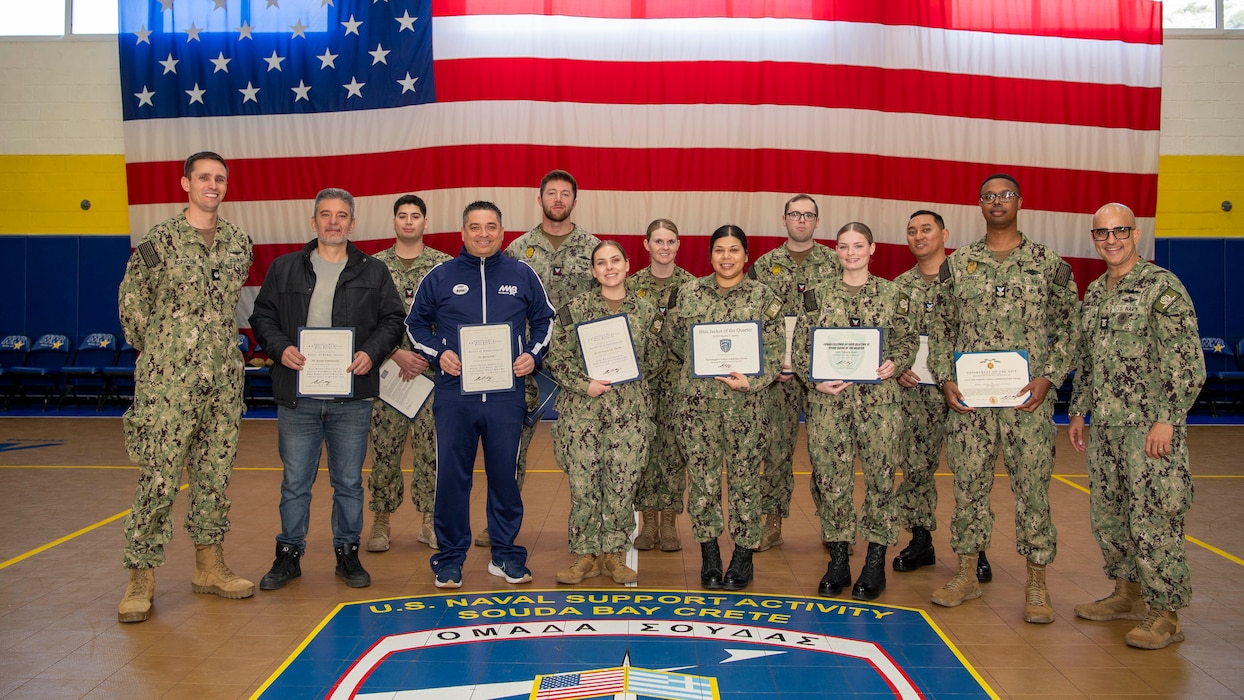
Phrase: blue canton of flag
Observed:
(196, 58)
(668, 686)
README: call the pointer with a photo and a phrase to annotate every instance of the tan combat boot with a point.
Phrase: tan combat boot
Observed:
(669, 532)
(647, 537)
(1037, 605)
(770, 532)
(136, 605)
(427, 532)
(614, 564)
(1158, 631)
(212, 574)
(584, 566)
(963, 586)
(1125, 603)
(379, 540)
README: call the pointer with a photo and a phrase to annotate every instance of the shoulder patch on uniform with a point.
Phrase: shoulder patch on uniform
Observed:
(1166, 300)
(809, 301)
(774, 309)
(564, 316)
(1063, 275)
(943, 272)
(151, 257)
(904, 304)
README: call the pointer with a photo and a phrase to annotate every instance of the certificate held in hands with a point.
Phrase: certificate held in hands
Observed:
(405, 396)
(992, 379)
(608, 349)
(846, 354)
(487, 354)
(329, 351)
(717, 349)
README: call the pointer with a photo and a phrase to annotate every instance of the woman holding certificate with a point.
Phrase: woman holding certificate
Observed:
(855, 338)
(604, 343)
(725, 334)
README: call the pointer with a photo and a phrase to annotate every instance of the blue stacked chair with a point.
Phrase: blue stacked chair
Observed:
(85, 373)
(1224, 380)
(41, 375)
(13, 352)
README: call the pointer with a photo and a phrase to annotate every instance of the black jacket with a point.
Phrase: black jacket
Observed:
(365, 300)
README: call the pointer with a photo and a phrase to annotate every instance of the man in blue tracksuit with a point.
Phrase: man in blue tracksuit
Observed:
(480, 286)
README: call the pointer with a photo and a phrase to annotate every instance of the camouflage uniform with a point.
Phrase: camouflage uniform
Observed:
(389, 426)
(723, 426)
(778, 271)
(664, 478)
(1027, 302)
(924, 420)
(864, 418)
(1140, 363)
(177, 303)
(602, 442)
(565, 273)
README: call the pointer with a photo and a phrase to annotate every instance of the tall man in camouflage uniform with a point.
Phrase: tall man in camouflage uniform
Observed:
(1140, 370)
(177, 303)
(561, 254)
(1004, 292)
(788, 270)
(408, 261)
(924, 407)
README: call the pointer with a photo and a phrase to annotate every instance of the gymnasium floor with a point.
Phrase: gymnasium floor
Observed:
(66, 483)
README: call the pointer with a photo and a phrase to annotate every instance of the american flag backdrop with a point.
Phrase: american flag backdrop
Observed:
(702, 111)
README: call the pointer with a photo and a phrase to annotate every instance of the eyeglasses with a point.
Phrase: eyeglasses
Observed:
(990, 197)
(1121, 233)
(801, 215)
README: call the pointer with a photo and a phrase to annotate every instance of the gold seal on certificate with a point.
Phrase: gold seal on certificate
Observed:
(846, 354)
(329, 351)
(717, 349)
(608, 349)
(992, 379)
(487, 354)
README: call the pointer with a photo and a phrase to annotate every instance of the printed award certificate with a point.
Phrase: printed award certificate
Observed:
(487, 354)
(717, 349)
(329, 351)
(992, 379)
(406, 396)
(846, 354)
(608, 349)
(921, 365)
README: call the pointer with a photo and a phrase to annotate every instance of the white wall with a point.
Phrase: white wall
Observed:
(1203, 96)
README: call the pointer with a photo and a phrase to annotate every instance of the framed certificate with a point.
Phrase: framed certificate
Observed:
(992, 379)
(487, 354)
(717, 349)
(406, 396)
(846, 354)
(608, 349)
(329, 351)
(921, 364)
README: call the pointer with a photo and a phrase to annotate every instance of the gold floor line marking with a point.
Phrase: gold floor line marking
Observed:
(1200, 543)
(70, 536)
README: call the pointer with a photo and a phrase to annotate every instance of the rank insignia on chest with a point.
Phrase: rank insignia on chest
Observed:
(530, 252)
(855, 322)
(928, 306)
(216, 275)
(410, 292)
(1103, 322)
(803, 287)
(971, 267)
(662, 309)
(642, 293)
(557, 270)
(776, 269)
(999, 290)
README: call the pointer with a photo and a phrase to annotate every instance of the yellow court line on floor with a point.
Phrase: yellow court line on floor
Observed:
(70, 536)
(1225, 555)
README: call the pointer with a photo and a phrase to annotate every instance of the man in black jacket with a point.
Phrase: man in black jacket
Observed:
(329, 283)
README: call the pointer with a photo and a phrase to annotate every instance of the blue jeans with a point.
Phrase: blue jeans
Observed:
(301, 433)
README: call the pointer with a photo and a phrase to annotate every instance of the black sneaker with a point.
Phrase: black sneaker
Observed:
(450, 576)
(349, 569)
(511, 571)
(284, 568)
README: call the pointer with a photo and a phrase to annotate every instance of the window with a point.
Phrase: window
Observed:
(1226, 16)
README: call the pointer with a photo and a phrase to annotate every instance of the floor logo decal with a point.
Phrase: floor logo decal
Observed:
(632, 644)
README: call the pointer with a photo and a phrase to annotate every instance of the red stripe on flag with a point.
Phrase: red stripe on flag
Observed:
(653, 169)
(775, 83)
(1133, 21)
